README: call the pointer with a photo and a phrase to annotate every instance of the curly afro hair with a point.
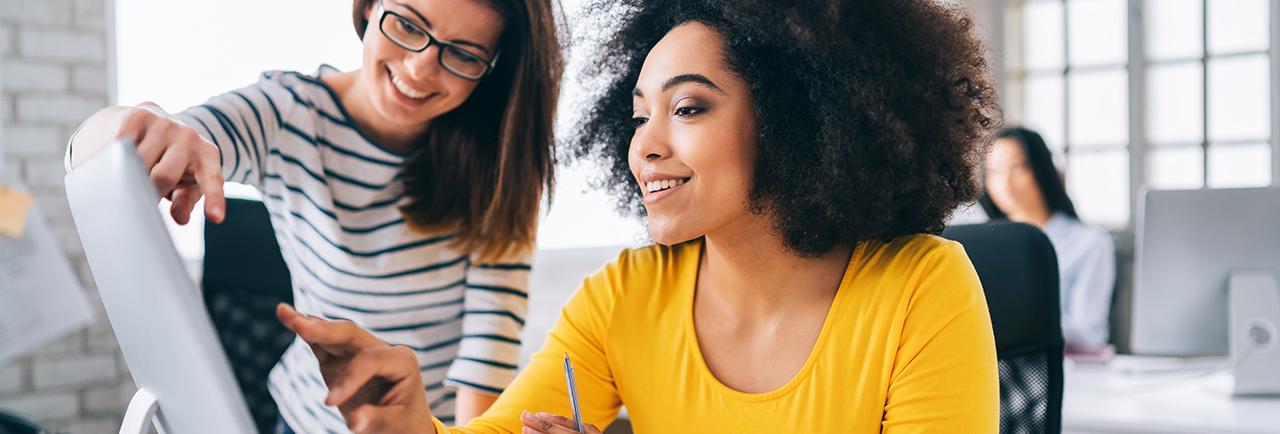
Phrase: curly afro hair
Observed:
(872, 114)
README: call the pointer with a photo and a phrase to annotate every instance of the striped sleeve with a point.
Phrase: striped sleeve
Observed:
(494, 310)
(242, 123)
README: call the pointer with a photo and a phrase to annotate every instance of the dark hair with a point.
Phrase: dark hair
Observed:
(1046, 175)
(871, 115)
(482, 168)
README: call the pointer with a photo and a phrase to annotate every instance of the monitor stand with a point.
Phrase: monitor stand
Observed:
(1254, 314)
(142, 409)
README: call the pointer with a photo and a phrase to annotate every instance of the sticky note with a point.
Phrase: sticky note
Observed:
(13, 211)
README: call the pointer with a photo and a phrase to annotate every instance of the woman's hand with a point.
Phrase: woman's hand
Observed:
(377, 387)
(182, 165)
(544, 423)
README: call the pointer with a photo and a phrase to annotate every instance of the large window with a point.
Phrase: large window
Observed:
(1208, 93)
(1144, 93)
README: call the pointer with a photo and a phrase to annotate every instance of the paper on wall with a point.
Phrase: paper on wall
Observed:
(13, 211)
(40, 298)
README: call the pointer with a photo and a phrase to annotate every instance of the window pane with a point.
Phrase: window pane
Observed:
(1042, 35)
(1174, 29)
(1174, 103)
(1097, 32)
(1098, 183)
(1042, 108)
(1237, 25)
(1239, 98)
(1099, 108)
(1176, 168)
(1239, 165)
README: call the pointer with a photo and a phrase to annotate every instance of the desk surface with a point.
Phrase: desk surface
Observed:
(1098, 400)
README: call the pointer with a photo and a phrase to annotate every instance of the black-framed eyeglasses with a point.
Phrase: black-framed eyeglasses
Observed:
(453, 57)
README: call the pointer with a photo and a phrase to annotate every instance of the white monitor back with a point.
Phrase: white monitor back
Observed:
(1188, 243)
(155, 309)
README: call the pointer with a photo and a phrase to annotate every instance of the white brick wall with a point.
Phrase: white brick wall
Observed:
(5, 41)
(74, 372)
(23, 75)
(62, 44)
(31, 141)
(13, 378)
(89, 80)
(44, 405)
(56, 12)
(60, 108)
(53, 74)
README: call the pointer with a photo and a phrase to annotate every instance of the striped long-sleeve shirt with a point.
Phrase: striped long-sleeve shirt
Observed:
(333, 195)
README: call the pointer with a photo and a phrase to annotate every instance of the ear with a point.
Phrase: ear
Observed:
(369, 10)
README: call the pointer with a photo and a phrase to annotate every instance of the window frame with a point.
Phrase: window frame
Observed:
(1012, 80)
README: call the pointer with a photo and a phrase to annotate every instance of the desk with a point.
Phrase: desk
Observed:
(1097, 400)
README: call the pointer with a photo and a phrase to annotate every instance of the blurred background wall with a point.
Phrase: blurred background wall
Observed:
(54, 72)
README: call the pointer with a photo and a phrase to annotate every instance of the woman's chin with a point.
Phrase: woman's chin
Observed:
(666, 235)
(399, 116)
(393, 113)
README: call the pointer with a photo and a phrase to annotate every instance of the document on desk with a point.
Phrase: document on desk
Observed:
(40, 299)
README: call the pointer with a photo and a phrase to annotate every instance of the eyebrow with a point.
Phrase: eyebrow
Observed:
(427, 24)
(681, 79)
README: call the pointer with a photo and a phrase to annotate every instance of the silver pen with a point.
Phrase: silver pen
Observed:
(573, 393)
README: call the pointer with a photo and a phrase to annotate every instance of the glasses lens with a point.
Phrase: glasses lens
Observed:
(464, 62)
(404, 32)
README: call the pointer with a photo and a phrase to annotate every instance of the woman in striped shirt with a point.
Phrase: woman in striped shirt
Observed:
(404, 195)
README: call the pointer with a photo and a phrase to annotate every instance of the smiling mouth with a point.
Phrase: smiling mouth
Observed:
(663, 185)
(405, 89)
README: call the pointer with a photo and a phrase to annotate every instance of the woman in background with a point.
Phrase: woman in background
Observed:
(1022, 185)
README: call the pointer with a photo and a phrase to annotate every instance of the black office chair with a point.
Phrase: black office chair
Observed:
(11, 424)
(244, 278)
(1019, 272)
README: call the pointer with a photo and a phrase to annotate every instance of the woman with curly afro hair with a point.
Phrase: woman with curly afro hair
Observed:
(792, 162)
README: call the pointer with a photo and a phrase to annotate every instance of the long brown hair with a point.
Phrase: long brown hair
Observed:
(482, 168)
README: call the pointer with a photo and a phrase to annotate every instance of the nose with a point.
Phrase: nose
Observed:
(650, 142)
(423, 64)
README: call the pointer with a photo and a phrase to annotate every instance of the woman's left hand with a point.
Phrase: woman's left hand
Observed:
(545, 423)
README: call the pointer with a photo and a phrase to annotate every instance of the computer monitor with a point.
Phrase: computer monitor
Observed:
(154, 307)
(1189, 242)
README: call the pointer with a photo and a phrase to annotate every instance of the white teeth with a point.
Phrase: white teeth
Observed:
(654, 186)
(406, 90)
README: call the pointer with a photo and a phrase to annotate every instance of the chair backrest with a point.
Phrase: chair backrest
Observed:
(244, 278)
(11, 424)
(1019, 272)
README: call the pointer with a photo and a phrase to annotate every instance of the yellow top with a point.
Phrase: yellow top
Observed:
(906, 347)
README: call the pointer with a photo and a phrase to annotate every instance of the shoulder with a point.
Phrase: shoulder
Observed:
(1074, 237)
(646, 271)
(648, 264)
(911, 253)
(1097, 236)
(655, 257)
(286, 79)
(1073, 228)
(292, 87)
(927, 272)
